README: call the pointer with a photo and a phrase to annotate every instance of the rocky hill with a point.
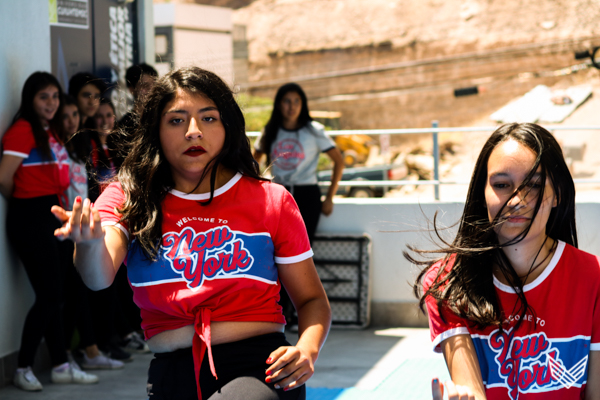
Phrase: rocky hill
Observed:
(292, 26)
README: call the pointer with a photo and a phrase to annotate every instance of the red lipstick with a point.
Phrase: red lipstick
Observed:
(194, 151)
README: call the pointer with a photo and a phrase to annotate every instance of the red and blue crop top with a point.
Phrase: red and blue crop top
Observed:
(36, 176)
(216, 262)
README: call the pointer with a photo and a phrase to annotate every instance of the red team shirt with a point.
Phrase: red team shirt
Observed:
(36, 176)
(547, 360)
(217, 261)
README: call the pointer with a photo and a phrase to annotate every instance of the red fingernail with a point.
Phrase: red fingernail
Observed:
(269, 372)
(77, 199)
(286, 389)
(268, 360)
(268, 380)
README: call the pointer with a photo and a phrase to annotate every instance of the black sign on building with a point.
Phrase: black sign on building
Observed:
(97, 36)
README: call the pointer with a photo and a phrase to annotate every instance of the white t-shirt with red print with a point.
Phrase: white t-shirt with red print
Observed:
(295, 154)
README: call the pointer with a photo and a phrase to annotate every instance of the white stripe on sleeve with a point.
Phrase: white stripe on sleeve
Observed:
(116, 224)
(16, 153)
(294, 259)
(461, 330)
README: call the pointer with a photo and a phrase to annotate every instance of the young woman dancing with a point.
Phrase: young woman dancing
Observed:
(513, 304)
(207, 242)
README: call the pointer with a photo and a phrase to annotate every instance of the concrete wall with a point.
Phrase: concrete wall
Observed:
(25, 48)
(393, 225)
(209, 50)
(202, 36)
(145, 10)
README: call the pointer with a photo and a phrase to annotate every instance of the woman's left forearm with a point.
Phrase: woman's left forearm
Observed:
(314, 321)
(592, 390)
(338, 170)
(292, 366)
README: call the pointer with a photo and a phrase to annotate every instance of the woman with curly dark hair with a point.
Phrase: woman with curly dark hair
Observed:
(207, 242)
(513, 304)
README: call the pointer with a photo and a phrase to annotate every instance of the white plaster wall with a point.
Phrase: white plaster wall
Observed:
(393, 225)
(210, 18)
(209, 50)
(164, 14)
(145, 9)
(24, 48)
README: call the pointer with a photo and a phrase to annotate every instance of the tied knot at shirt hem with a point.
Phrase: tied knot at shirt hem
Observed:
(201, 343)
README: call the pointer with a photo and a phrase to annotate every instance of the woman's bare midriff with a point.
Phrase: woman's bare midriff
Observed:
(221, 332)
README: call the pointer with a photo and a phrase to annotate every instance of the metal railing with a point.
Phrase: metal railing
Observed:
(434, 131)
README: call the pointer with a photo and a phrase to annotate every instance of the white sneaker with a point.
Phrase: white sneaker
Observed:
(26, 380)
(134, 342)
(101, 361)
(72, 375)
(72, 361)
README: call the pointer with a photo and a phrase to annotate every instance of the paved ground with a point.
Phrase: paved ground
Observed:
(380, 364)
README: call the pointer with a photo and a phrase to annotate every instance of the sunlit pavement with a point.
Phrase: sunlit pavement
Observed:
(394, 363)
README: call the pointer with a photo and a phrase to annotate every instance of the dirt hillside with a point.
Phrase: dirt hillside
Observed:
(291, 26)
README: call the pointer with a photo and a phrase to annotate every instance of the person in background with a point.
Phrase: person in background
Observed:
(34, 175)
(88, 89)
(126, 315)
(215, 310)
(71, 121)
(513, 304)
(77, 309)
(102, 165)
(140, 79)
(292, 143)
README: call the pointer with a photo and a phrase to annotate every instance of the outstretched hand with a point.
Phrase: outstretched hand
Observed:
(80, 225)
(290, 367)
(455, 392)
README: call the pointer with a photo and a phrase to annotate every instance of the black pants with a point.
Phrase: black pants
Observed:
(131, 321)
(240, 367)
(77, 313)
(30, 230)
(308, 198)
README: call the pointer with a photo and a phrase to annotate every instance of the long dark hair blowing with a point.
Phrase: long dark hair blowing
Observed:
(276, 120)
(468, 288)
(145, 175)
(36, 82)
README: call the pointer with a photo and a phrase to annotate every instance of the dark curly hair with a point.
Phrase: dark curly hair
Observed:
(145, 175)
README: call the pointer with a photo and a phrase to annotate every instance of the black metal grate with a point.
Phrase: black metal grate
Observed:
(343, 265)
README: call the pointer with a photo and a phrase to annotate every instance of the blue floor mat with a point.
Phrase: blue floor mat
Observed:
(410, 381)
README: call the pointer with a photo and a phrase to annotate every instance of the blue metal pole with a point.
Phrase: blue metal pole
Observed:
(436, 161)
